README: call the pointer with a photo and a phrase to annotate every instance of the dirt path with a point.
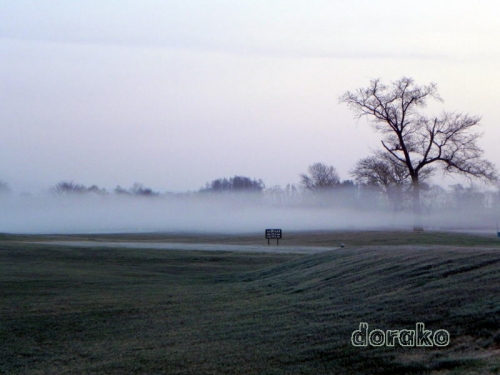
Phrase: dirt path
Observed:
(193, 246)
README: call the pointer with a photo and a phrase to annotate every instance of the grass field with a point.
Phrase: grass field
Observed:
(98, 310)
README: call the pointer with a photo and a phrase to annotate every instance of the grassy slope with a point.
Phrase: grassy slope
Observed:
(112, 311)
(306, 238)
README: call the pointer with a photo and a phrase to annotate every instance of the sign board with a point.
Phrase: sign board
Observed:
(273, 234)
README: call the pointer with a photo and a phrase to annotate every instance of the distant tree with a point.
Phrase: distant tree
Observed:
(380, 170)
(241, 183)
(236, 184)
(68, 188)
(291, 194)
(121, 191)
(347, 184)
(447, 141)
(320, 177)
(94, 189)
(347, 194)
(71, 188)
(137, 189)
(467, 198)
(221, 184)
(435, 198)
(385, 173)
(140, 190)
(279, 196)
(291, 191)
(275, 195)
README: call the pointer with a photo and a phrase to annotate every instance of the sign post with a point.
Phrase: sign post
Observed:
(273, 234)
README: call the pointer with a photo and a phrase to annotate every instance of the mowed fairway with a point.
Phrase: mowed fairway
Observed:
(67, 310)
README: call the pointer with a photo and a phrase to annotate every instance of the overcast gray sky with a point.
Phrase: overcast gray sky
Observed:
(177, 93)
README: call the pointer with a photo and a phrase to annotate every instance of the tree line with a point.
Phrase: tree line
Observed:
(417, 143)
(414, 146)
(378, 182)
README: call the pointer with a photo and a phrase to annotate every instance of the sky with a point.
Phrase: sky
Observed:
(174, 94)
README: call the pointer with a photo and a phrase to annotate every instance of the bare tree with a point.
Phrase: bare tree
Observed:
(68, 188)
(320, 177)
(447, 141)
(387, 174)
(71, 188)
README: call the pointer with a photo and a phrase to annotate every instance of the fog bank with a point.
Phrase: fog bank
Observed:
(208, 213)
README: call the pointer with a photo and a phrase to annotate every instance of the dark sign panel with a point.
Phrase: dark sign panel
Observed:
(273, 234)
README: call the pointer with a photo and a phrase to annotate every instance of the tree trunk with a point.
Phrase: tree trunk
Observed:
(417, 210)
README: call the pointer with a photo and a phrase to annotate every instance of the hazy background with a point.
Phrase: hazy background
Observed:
(240, 213)
(177, 93)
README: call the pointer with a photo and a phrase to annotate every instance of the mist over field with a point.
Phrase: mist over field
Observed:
(222, 213)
